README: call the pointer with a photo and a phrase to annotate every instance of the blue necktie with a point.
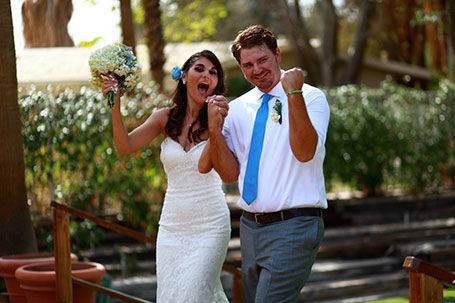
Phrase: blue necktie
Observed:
(250, 181)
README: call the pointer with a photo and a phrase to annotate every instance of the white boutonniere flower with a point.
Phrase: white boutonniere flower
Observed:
(276, 115)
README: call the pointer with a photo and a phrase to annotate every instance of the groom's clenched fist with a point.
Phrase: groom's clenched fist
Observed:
(292, 79)
(217, 110)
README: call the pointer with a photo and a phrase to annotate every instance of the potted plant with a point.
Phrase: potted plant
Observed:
(38, 281)
(9, 264)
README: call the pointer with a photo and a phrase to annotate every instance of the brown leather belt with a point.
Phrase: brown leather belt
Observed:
(266, 218)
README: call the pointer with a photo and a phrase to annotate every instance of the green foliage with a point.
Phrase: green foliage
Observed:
(237, 85)
(90, 43)
(85, 234)
(421, 17)
(390, 136)
(69, 153)
(190, 21)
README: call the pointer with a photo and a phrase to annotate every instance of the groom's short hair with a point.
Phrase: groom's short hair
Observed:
(254, 35)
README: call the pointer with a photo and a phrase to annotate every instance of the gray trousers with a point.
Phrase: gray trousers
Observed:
(277, 257)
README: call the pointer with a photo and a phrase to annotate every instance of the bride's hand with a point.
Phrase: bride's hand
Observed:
(110, 84)
(217, 110)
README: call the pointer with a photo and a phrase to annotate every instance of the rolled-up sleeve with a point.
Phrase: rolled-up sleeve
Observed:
(319, 113)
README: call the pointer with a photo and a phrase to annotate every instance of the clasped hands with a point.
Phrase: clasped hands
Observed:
(217, 110)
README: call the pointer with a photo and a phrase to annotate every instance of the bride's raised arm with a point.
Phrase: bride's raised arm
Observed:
(126, 143)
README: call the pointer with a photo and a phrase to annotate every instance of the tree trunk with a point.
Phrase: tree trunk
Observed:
(450, 15)
(16, 230)
(153, 33)
(360, 40)
(329, 43)
(309, 58)
(402, 41)
(127, 24)
(434, 37)
(46, 23)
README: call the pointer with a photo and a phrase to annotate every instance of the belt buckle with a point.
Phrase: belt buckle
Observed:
(256, 218)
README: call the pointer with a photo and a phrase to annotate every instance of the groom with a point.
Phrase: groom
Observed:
(273, 141)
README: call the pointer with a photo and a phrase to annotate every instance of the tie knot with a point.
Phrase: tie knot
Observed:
(266, 98)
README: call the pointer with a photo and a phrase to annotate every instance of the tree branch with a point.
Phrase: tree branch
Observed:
(301, 41)
(360, 40)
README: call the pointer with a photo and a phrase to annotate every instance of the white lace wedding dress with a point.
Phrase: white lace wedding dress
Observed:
(194, 230)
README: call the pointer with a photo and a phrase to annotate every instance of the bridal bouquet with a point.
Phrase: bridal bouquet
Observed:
(115, 60)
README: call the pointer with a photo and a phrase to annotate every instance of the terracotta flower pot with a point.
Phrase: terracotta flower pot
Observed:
(38, 281)
(9, 264)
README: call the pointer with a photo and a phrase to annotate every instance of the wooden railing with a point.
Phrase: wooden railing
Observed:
(426, 281)
(62, 251)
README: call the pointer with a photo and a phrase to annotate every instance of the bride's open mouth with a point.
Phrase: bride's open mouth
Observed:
(203, 88)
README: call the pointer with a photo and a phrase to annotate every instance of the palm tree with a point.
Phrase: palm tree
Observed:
(46, 23)
(450, 15)
(153, 33)
(127, 24)
(16, 230)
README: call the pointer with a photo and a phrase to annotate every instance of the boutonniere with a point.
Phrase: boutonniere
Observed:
(276, 115)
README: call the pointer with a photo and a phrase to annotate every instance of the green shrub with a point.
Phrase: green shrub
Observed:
(69, 153)
(392, 136)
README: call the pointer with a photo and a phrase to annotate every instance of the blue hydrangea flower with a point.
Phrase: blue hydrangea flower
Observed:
(176, 73)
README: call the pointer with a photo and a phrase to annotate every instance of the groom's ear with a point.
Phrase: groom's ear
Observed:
(278, 55)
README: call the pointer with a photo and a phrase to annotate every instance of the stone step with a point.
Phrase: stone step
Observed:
(438, 252)
(357, 212)
(114, 253)
(144, 287)
(327, 270)
(361, 242)
(130, 267)
(363, 299)
(348, 288)
(376, 210)
(371, 241)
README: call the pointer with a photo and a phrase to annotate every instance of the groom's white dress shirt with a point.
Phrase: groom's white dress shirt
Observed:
(284, 182)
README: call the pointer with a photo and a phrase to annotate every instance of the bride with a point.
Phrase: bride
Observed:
(194, 227)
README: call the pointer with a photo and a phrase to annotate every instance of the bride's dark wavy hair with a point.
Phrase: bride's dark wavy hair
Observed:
(174, 124)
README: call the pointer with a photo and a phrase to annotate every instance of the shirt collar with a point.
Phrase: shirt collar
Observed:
(276, 92)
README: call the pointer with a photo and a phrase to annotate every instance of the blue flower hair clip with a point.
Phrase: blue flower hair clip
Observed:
(176, 73)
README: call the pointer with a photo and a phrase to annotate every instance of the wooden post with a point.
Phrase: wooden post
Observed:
(424, 288)
(62, 251)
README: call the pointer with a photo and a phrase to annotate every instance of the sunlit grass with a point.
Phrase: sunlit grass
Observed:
(391, 300)
(449, 296)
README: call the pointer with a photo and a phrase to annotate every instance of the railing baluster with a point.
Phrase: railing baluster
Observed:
(424, 289)
(426, 281)
(62, 251)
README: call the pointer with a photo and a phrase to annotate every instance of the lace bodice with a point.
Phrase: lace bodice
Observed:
(181, 168)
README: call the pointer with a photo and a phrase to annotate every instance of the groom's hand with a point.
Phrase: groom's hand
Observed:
(292, 79)
(217, 110)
